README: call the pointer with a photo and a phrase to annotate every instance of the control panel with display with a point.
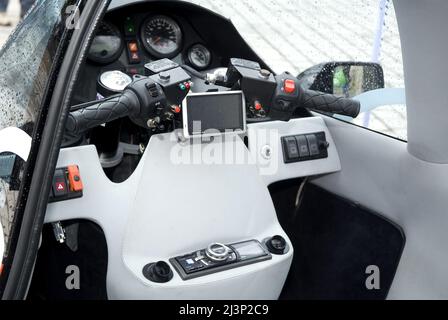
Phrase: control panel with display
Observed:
(219, 257)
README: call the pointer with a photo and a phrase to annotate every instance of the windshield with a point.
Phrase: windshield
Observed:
(294, 35)
(25, 65)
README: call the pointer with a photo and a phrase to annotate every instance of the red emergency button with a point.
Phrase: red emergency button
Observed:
(60, 186)
(289, 86)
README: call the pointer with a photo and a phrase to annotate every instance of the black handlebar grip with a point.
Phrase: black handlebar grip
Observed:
(325, 102)
(90, 116)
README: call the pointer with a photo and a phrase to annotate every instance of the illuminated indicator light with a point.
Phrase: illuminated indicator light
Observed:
(133, 46)
(187, 85)
(129, 25)
(182, 86)
(176, 109)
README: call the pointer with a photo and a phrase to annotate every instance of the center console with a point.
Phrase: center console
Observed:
(182, 230)
(219, 257)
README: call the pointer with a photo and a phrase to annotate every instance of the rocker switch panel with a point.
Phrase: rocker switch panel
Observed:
(304, 147)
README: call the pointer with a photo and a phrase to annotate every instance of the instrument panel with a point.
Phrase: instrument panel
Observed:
(141, 38)
(136, 33)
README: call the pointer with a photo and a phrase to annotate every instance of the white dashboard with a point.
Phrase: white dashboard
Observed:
(175, 203)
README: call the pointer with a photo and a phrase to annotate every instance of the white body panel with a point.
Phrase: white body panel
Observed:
(169, 208)
(274, 169)
(384, 177)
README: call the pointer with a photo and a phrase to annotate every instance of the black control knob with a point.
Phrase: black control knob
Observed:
(276, 245)
(159, 272)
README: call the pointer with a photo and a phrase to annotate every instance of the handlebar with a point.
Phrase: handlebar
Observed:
(90, 115)
(324, 102)
(149, 100)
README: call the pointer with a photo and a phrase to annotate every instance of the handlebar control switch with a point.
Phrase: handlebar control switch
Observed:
(289, 86)
(257, 84)
(286, 98)
(174, 81)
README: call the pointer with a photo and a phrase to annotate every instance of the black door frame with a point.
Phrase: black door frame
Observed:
(24, 256)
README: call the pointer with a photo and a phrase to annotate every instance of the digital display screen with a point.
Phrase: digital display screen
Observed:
(218, 112)
(249, 249)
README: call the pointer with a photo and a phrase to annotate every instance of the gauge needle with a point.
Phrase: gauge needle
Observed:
(157, 39)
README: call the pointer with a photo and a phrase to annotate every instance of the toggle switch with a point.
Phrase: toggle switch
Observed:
(74, 178)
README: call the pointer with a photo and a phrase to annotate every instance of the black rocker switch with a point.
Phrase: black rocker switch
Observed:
(60, 188)
(312, 143)
(290, 149)
(302, 143)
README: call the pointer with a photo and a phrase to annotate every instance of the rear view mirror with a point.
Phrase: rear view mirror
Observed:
(346, 79)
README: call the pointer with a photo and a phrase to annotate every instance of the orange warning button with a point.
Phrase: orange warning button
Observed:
(74, 178)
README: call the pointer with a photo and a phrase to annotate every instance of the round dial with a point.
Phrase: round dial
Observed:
(199, 56)
(115, 81)
(161, 36)
(107, 44)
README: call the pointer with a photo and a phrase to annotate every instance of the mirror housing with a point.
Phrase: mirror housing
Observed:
(347, 79)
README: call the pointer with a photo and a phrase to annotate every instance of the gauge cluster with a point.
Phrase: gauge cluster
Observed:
(141, 38)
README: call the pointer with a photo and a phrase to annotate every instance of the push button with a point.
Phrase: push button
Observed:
(302, 143)
(60, 184)
(289, 86)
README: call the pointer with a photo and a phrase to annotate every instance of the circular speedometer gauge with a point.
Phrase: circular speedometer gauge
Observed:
(161, 36)
(107, 44)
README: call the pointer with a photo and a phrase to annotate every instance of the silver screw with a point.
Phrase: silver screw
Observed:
(266, 152)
